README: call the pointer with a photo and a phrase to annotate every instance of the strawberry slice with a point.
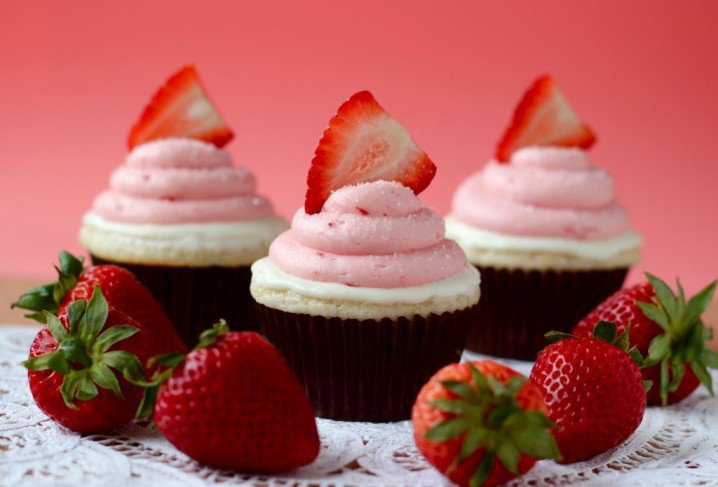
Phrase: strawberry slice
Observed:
(181, 108)
(363, 143)
(544, 117)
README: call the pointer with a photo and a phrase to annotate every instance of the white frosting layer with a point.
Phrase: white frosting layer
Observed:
(276, 289)
(186, 244)
(590, 249)
(489, 249)
(464, 282)
(598, 250)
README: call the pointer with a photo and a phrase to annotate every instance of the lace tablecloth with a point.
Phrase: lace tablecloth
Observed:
(673, 446)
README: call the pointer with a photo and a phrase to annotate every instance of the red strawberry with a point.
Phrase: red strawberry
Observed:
(235, 386)
(181, 108)
(80, 364)
(363, 143)
(470, 414)
(666, 329)
(121, 289)
(593, 389)
(544, 117)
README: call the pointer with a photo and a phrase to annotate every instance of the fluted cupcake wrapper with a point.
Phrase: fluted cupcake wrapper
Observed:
(196, 297)
(365, 370)
(518, 307)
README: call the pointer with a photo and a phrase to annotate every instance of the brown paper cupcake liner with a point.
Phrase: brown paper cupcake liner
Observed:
(519, 307)
(365, 370)
(196, 297)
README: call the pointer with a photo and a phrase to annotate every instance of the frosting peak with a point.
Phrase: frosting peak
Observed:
(384, 198)
(178, 152)
(569, 158)
(181, 180)
(370, 235)
(543, 192)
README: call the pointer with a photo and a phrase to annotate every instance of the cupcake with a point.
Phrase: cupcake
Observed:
(542, 224)
(364, 296)
(180, 216)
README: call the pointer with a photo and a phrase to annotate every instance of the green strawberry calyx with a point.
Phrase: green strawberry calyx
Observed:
(168, 363)
(607, 331)
(488, 416)
(683, 342)
(48, 297)
(82, 355)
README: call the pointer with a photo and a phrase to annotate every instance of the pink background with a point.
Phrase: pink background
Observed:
(74, 76)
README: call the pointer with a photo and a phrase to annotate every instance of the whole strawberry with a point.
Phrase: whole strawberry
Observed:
(593, 390)
(667, 330)
(233, 403)
(80, 366)
(121, 289)
(481, 423)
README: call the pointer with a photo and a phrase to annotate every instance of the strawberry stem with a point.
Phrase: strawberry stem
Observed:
(488, 416)
(684, 339)
(210, 336)
(81, 356)
(49, 296)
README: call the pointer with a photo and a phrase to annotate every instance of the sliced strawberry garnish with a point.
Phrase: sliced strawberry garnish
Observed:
(544, 117)
(181, 108)
(363, 143)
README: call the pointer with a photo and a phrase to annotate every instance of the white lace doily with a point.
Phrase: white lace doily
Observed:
(673, 446)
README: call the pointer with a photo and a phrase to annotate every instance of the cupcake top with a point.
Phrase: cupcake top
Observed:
(543, 192)
(364, 246)
(541, 203)
(181, 180)
(374, 234)
(178, 199)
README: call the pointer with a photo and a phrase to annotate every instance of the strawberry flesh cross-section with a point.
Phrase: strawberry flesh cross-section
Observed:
(544, 118)
(181, 108)
(363, 143)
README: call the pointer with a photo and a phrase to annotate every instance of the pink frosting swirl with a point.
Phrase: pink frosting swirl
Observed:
(181, 180)
(370, 235)
(543, 192)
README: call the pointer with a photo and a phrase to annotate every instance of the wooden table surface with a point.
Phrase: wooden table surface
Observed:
(12, 287)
